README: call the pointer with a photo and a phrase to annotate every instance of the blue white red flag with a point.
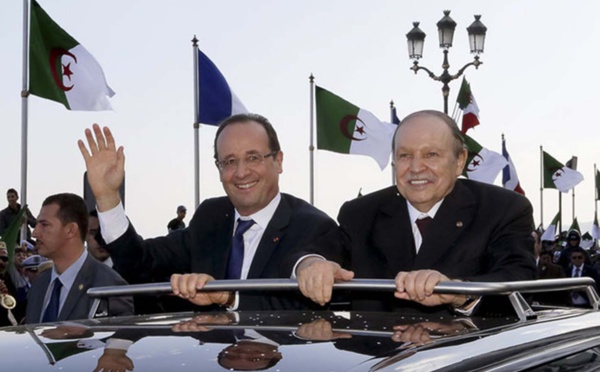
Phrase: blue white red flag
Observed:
(510, 180)
(216, 99)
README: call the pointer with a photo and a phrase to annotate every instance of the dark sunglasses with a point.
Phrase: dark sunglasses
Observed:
(4, 258)
(577, 257)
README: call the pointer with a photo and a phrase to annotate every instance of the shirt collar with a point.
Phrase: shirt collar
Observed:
(414, 213)
(68, 277)
(262, 217)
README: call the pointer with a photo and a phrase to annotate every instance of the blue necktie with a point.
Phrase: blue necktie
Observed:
(236, 258)
(51, 313)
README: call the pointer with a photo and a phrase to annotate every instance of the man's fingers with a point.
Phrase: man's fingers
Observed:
(93, 146)
(400, 277)
(110, 140)
(100, 140)
(343, 275)
(120, 158)
(432, 280)
(175, 284)
(84, 151)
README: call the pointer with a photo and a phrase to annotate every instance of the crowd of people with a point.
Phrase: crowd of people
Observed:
(432, 226)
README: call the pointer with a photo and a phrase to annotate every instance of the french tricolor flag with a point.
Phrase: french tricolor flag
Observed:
(217, 101)
(510, 180)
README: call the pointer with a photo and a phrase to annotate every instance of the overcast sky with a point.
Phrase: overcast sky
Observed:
(537, 85)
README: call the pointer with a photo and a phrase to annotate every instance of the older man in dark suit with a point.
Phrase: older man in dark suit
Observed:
(61, 293)
(430, 228)
(247, 234)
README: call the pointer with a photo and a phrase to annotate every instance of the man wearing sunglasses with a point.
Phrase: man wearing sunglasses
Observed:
(248, 234)
(577, 269)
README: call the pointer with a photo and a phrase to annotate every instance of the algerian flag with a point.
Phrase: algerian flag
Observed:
(587, 241)
(62, 70)
(596, 227)
(482, 164)
(10, 235)
(550, 232)
(468, 105)
(557, 176)
(348, 129)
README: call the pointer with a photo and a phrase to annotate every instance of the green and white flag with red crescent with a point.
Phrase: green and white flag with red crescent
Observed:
(550, 232)
(557, 175)
(61, 69)
(587, 241)
(345, 128)
(482, 165)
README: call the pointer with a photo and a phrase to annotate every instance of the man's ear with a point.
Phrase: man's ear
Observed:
(72, 229)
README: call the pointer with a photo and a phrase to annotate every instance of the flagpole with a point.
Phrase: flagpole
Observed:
(196, 125)
(542, 186)
(311, 147)
(391, 121)
(595, 191)
(560, 210)
(24, 112)
(573, 202)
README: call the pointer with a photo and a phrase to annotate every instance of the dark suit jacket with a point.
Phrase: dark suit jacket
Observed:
(78, 303)
(550, 271)
(204, 247)
(588, 271)
(480, 233)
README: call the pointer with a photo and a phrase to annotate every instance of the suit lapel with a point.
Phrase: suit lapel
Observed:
(273, 234)
(392, 234)
(35, 300)
(222, 238)
(454, 216)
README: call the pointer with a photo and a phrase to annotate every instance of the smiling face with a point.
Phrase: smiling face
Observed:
(426, 160)
(249, 187)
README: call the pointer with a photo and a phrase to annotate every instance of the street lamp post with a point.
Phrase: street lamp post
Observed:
(446, 26)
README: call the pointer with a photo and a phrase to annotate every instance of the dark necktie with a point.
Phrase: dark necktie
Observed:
(423, 225)
(51, 313)
(577, 272)
(236, 258)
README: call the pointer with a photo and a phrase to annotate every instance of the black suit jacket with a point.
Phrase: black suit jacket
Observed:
(205, 245)
(78, 304)
(480, 233)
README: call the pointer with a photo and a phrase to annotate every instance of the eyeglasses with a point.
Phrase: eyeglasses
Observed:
(577, 257)
(251, 161)
(4, 258)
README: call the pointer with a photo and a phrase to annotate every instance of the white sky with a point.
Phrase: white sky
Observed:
(537, 85)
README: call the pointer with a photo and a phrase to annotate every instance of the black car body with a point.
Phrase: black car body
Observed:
(540, 339)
